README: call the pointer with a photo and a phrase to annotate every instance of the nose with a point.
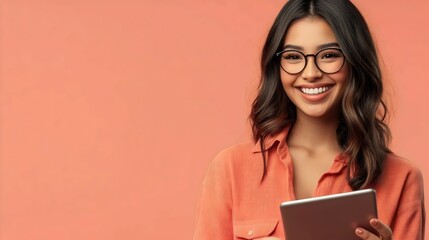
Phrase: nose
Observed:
(311, 72)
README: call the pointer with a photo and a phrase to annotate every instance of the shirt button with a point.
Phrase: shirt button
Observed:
(250, 232)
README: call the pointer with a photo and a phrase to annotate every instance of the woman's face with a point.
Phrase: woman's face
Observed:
(315, 94)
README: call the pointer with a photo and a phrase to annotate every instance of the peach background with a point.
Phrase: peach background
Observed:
(112, 110)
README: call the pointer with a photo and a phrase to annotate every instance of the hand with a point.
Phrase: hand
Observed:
(268, 238)
(385, 233)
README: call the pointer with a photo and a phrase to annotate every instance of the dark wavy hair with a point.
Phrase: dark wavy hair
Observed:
(362, 132)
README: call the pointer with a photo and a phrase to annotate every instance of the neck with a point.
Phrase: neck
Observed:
(314, 133)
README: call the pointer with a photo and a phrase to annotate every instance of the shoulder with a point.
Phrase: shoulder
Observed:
(235, 154)
(400, 175)
(234, 161)
(400, 194)
(400, 187)
(395, 165)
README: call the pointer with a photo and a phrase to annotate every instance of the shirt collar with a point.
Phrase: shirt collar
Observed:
(271, 140)
(281, 137)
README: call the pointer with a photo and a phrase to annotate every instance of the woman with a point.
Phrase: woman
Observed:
(318, 129)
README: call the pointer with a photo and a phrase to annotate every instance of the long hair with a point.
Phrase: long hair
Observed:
(361, 131)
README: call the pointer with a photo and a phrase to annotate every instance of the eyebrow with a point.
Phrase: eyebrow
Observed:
(296, 47)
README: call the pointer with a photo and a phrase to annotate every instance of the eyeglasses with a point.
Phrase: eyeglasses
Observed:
(328, 60)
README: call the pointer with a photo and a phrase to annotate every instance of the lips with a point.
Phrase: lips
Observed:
(315, 90)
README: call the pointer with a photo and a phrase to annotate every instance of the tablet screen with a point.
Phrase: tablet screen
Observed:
(329, 217)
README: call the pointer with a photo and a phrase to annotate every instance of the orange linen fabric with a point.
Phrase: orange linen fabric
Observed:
(235, 204)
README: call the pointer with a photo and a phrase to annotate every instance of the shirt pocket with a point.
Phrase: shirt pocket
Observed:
(257, 229)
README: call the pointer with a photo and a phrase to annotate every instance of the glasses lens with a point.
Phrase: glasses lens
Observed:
(330, 60)
(292, 61)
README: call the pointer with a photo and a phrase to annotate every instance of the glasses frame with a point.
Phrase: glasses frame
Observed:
(314, 59)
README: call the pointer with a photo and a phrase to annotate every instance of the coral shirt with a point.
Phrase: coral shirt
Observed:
(235, 204)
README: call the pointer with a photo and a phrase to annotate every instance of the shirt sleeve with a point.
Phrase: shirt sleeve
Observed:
(214, 211)
(409, 222)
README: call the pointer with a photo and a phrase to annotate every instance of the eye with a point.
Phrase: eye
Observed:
(329, 54)
(292, 56)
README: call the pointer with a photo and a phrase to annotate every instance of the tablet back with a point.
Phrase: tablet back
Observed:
(329, 217)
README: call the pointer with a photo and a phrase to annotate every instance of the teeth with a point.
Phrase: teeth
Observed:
(315, 91)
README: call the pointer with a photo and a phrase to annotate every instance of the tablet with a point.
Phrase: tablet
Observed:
(329, 217)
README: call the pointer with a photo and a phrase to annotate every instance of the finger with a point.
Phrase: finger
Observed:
(365, 234)
(382, 229)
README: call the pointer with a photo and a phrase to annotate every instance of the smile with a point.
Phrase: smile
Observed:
(315, 91)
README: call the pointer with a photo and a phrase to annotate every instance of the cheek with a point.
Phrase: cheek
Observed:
(340, 78)
(287, 80)
(343, 75)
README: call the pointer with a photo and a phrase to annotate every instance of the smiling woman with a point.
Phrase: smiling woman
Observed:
(315, 87)
(318, 129)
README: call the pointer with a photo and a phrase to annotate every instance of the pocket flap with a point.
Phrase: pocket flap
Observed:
(254, 229)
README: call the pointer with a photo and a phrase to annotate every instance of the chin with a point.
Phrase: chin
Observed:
(317, 113)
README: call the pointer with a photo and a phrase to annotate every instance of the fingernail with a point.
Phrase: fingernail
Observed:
(374, 222)
(359, 231)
